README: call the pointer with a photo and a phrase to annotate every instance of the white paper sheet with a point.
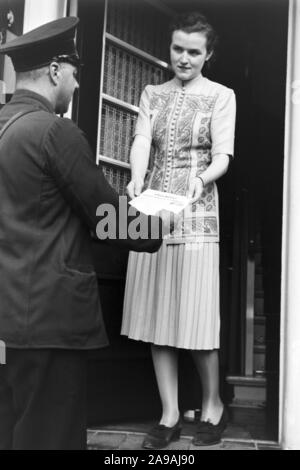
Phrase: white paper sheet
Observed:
(150, 202)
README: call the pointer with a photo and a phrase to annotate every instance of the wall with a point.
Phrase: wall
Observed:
(38, 12)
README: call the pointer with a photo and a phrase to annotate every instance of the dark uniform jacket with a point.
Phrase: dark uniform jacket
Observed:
(50, 188)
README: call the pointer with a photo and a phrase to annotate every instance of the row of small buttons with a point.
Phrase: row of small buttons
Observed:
(172, 137)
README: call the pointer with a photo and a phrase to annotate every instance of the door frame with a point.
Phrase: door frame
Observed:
(289, 415)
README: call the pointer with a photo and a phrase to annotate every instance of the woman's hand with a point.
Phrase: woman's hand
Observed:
(195, 189)
(134, 188)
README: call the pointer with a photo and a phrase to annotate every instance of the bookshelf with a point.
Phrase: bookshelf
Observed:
(135, 54)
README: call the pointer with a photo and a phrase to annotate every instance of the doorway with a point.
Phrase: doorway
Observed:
(251, 59)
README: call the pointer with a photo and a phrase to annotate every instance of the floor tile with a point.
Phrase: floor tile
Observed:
(106, 441)
(132, 442)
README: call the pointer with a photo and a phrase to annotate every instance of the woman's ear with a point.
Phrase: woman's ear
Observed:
(54, 72)
(209, 56)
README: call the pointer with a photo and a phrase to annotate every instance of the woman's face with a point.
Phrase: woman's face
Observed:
(188, 54)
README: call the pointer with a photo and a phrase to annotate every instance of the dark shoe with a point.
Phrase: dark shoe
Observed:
(160, 436)
(209, 434)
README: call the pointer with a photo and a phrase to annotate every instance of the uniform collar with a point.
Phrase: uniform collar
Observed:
(30, 97)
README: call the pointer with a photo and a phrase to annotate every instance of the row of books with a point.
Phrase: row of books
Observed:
(126, 75)
(117, 177)
(140, 24)
(117, 128)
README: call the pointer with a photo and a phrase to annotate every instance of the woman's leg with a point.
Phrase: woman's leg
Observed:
(165, 362)
(207, 363)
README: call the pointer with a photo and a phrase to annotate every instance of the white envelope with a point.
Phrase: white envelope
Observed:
(151, 202)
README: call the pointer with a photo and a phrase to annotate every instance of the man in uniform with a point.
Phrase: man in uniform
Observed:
(50, 188)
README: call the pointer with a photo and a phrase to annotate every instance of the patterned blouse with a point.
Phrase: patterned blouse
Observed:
(188, 124)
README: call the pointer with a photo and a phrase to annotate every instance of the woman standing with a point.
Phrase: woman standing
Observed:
(172, 296)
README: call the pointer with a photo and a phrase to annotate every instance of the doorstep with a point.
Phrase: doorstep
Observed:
(111, 440)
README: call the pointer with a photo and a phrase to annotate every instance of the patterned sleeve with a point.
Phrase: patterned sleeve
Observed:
(223, 123)
(143, 124)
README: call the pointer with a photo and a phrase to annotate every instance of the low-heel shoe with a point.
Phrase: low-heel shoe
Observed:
(208, 434)
(160, 436)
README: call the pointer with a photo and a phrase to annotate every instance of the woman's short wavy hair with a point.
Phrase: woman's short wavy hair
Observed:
(196, 22)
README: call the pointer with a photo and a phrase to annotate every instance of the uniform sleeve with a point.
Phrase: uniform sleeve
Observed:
(70, 162)
(143, 124)
(223, 123)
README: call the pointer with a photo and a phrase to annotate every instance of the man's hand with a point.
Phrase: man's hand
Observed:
(134, 188)
(195, 189)
(170, 221)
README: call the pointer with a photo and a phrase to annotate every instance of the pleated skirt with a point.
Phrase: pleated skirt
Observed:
(172, 296)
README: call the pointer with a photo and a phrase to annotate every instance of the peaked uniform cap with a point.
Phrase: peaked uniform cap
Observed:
(37, 48)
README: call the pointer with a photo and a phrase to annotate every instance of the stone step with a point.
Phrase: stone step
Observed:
(249, 391)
